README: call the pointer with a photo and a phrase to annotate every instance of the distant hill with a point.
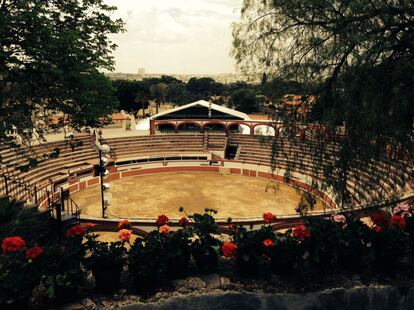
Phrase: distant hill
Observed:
(222, 78)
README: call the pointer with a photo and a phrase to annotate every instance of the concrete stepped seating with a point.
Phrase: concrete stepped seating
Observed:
(56, 170)
(162, 145)
(381, 178)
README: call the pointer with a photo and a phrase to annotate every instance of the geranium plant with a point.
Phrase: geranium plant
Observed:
(285, 252)
(353, 243)
(389, 240)
(146, 262)
(106, 260)
(250, 246)
(205, 247)
(63, 275)
(177, 250)
(19, 272)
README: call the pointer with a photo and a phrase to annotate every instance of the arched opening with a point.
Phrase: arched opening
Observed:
(264, 130)
(166, 128)
(189, 127)
(214, 127)
(235, 128)
(240, 128)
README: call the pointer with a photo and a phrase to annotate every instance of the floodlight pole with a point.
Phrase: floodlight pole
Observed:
(101, 168)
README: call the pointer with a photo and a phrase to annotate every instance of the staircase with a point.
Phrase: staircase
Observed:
(239, 148)
(65, 211)
(205, 141)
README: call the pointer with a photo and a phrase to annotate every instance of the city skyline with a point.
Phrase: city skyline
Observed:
(175, 36)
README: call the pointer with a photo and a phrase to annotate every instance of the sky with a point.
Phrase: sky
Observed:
(175, 36)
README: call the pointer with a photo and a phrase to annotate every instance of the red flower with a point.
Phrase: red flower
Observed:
(233, 228)
(268, 243)
(380, 218)
(75, 230)
(125, 234)
(268, 217)
(89, 225)
(124, 224)
(398, 222)
(162, 220)
(376, 229)
(301, 232)
(34, 252)
(12, 244)
(183, 222)
(229, 249)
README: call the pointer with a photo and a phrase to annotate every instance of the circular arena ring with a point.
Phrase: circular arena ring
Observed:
(157, 174)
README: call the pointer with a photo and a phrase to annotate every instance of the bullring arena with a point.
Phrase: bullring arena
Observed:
(197, 156)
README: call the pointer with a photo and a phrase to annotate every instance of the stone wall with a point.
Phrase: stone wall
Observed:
(358, 298)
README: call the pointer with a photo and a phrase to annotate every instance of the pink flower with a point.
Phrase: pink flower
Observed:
(164, 229)
(125, 234)
(402, 209)
(339, 218)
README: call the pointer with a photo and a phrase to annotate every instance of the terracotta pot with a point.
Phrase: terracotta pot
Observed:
(247, 267)
(178, 266)
(144, 283)
(281, 265)
(206, 259)
(107, 280)
(21, 304)
(65, 294)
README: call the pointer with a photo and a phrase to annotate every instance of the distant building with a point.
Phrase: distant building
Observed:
(141, 71)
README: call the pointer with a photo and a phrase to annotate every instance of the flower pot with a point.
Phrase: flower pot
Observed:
(144, 283)
(177, 267)
(247, 265)
(20, 303)
(351, 262)
(206, 259)
(107, 280)
(281, 265)
(65, 294)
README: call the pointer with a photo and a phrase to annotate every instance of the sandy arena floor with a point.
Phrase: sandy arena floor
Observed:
(231, 195)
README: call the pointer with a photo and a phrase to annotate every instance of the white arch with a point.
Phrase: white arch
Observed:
(264, 130)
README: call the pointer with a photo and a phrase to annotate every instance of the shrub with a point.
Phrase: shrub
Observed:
(62, 269)
(19, 272)
(250, 247)
(146, 262)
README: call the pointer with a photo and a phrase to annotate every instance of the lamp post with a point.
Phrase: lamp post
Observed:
(106, 196)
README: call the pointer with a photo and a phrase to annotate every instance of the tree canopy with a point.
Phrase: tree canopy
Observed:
(51, 54)
(245, 100)
(356, 56)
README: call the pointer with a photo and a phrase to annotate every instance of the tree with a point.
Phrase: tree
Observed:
(176, 92)
(244, 100)
(359, 54)
(132, 95)
(202, 86)
(159, 92)
(50, 56)
(355, 56)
